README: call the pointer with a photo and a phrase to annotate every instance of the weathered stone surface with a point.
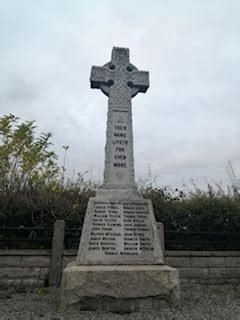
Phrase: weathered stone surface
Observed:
(228, 274)
(161, 232)
(25, 252)
(224, 272)
(179, 253)
(31, 282)
(232, 261)
(55, 270)
(35, 261)
(10, 261)
(178, 262)
(119, 232)
(119, 288)
(119, 226)
(10, 283)
(194, 273)
(68, 259)
(225, 253)
(202, 253)
(18, 272)
(44, 274)
(120, 81)
(119, 266)
(208, 262)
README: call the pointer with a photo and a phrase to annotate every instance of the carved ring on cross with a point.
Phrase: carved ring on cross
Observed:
(129, 72)
(119, 74)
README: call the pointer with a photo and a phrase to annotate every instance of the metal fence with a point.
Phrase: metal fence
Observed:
(41, 238)
(201, 240)
(25, 238)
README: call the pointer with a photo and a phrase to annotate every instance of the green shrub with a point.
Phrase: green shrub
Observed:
(5, 295)
(196, 212)
(33, 192)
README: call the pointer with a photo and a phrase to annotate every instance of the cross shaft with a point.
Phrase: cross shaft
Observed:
(120, 81)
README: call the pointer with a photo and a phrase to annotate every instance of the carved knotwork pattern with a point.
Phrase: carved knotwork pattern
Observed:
(120, 81)
(100, 74)
(140, 78)
(119, 78)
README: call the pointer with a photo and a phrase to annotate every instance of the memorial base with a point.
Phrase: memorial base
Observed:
(119, 288)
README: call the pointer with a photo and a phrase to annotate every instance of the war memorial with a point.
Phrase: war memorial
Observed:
(120, 263)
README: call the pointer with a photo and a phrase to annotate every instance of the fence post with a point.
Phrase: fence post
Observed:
(55, 271)
(160, 226)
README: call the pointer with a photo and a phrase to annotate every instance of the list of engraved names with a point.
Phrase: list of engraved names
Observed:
(120, 229)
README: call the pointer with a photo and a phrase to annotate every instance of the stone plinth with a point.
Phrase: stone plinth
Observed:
(119, 288)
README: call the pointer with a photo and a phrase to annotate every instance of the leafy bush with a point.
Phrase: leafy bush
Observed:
(32, 189)
(25, 161)
(196, 212)
(33, 192)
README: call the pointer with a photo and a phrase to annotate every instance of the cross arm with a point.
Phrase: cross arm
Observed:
(99, 76)
(140, 80)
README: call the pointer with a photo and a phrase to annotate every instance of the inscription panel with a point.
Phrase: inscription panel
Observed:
(119, 156)
(118, 172)
(121, 231)
(120, 146)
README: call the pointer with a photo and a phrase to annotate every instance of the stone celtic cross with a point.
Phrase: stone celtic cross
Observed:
(120, 81)
(119, 266)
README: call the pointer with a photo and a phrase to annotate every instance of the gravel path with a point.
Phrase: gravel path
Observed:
(199, 302)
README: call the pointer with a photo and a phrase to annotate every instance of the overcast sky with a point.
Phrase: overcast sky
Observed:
(185, 126)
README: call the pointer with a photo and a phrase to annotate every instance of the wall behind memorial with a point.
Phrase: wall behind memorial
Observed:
(30, 268)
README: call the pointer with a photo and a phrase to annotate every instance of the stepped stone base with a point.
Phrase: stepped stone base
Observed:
(119, 288)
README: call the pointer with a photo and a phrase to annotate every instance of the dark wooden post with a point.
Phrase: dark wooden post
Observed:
(55, 271)
(160, 226)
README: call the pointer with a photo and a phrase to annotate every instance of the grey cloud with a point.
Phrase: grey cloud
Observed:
(185, 126)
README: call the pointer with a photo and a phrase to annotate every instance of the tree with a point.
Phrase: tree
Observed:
(25, 160)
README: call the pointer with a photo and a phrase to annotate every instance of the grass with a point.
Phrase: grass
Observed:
(41, 291)
(5, 295)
